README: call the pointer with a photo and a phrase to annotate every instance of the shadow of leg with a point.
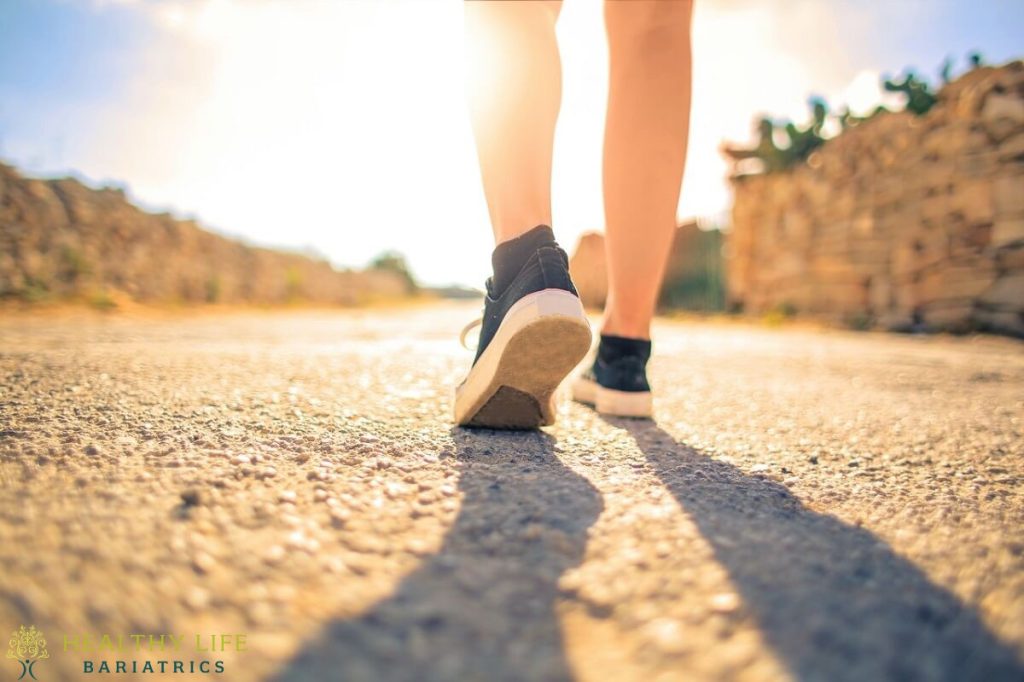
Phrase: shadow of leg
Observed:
(833, 601)
(483, 608)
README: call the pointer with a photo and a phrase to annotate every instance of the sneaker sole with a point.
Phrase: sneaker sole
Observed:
(639, 404)
(542, 338)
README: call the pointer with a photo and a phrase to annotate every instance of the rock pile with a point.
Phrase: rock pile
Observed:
(60, 239)
(902, 221)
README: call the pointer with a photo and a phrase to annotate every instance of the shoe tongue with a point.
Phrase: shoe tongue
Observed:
(614, 348)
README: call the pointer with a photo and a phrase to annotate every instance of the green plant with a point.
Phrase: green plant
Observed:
(101, 300)
(392, 261)
(780, 313)
(34, 290)
(293, 284)
(73, 265)
(860, 321)
(919, 96)
(801, 141)
(213, 289)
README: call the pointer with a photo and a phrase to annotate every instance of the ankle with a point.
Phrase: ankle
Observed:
(629, 329)
(510, 256)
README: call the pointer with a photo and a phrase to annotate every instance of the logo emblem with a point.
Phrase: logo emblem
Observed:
(27, 646)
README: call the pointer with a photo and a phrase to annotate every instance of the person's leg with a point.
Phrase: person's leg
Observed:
(514, 90)
(644, 153)
(534, 330)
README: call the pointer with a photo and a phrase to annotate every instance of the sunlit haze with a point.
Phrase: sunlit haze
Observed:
(341, 126)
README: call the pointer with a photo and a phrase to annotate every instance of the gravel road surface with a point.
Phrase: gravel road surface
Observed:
(809, 505)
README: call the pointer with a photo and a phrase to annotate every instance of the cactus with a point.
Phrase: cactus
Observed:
(920, 97)
(802, 141)
(945, 72)
(770, 155)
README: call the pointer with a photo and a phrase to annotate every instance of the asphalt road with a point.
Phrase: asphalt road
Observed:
(812, 505)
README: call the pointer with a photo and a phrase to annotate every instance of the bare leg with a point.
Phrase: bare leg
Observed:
(514, 89)
(644, 153)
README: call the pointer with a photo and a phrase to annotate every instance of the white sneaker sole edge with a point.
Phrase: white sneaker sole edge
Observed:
(542, 338)
(611, 402)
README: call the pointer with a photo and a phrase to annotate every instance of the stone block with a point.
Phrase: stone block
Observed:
(982, 164)
(1001, 322)
(934, 209)
(947, 313)
(840, 297)
(880, 293)
(1007, 293)
(932, 246)
(970, 239)
(891, 189)
(936, 175)
(1008, 194)
(1012, 148)
(896, 320)
(904, 260)
(955, 316)
(1002, 115)
(1010, 259)
(963, 280)
(972, 198)
(1007, 231)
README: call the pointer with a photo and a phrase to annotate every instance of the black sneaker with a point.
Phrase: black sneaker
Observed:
(532, 334)
(616, 384)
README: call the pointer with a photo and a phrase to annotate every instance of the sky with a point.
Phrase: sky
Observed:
(339, 127)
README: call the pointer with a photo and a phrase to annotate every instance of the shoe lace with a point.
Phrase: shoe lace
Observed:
(466, 330)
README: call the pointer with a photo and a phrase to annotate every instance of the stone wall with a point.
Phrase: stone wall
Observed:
(62, 240)
(904, 222)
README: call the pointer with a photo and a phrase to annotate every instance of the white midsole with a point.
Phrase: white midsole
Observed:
(524, 312)
(611, 402)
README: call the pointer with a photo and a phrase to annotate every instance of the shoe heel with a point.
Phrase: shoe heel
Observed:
(542, 339)
(624, 403)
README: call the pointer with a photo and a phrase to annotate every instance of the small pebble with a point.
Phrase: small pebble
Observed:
(274, 554)
(203, 562)
(260, 613)
(339, 516)
(667, 635)
(725, 602)
(197, 598)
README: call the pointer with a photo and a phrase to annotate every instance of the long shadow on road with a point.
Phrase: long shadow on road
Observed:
(832, 600)
(483, 608)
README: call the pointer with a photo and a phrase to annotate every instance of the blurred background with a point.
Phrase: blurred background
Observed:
(337, 132)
